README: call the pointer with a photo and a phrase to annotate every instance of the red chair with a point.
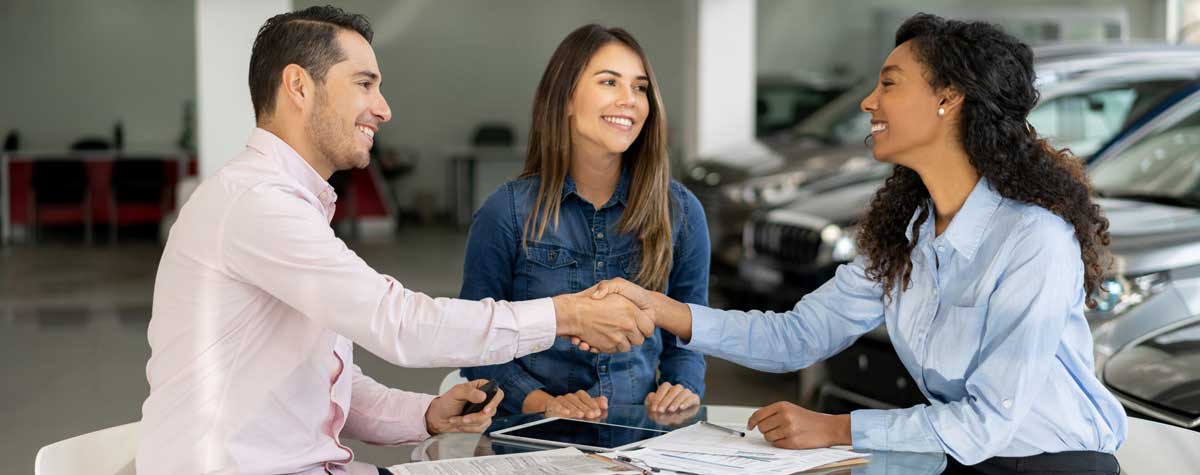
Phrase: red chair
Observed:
(140, 193)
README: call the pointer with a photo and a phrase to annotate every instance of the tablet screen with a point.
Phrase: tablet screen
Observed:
(594, 434)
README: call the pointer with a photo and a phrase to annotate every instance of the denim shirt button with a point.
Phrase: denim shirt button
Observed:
(599, 264)
(603, 368)
(599, 235)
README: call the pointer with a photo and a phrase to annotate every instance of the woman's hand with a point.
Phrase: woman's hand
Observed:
(788, 426)
(670, 398)
(577, 405)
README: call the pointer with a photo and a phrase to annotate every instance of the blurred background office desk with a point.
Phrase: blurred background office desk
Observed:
(1152, 448)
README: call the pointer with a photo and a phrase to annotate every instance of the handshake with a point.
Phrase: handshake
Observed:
(612, 316)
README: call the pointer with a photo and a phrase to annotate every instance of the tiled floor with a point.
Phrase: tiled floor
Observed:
(73, 338)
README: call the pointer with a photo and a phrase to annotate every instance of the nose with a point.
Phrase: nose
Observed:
(628, 97)
(871, 102)
(380, 108)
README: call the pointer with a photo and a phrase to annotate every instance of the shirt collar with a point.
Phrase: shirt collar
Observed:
(965, 232)
(293, 164)
(620, 195)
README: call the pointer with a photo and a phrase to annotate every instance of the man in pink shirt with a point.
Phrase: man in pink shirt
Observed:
(257, 305)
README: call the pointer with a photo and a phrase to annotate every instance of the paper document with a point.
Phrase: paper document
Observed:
(709, 451)
(568, 461)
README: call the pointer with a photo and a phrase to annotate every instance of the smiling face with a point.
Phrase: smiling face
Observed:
(904, 110)
(348, 107)
(610, 102)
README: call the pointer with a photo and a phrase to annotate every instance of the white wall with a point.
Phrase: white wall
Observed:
(449, 64)
(817, 35)
(74, 67)
(225, 32)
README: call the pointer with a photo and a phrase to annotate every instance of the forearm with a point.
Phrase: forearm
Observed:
(536, 401)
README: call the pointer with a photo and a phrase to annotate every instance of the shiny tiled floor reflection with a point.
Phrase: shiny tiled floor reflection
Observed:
(73, 338)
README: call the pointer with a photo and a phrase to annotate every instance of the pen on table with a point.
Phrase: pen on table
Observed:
(623, 460)
(723, 428)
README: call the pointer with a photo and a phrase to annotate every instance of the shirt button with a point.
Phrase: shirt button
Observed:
(941, 248)
(599, 235)
(603, 368)
(1007, 404)
(599, 264)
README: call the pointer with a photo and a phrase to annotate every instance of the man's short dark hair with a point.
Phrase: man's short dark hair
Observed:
(307, 38)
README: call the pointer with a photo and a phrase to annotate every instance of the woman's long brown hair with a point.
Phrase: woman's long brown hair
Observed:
(647, 213)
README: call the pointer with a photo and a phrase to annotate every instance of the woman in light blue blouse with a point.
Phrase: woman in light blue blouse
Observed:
(978, 254)
(594, 202)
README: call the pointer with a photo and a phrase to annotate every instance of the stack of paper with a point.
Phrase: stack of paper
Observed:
(706, 450)
(550, 462)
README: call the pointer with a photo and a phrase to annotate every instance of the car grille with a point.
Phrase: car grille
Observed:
(787, 243)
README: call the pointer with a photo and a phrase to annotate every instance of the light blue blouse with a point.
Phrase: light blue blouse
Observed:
(992, 329)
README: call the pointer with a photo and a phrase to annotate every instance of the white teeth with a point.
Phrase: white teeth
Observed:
(620, 120)
(370, 133)
(878, 127)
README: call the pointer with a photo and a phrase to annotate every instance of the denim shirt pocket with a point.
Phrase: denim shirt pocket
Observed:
(954, 344)
(549, 270)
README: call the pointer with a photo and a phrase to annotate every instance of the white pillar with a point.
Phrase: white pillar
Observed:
(721, 79)
(225, 31)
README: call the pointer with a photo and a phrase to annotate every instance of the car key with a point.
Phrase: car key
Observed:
(489, 389)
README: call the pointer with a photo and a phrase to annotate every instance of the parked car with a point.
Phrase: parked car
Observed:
(830, 142)
(783, 100)
(793, 249)
(1147, 324)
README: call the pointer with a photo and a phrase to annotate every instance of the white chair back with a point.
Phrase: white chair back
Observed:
(451, 379)
(108, 451)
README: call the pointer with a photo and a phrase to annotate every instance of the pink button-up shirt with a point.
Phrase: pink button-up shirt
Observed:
(256, 309)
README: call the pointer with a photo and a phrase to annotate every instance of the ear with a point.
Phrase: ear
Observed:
(950, 99)
(297, 86)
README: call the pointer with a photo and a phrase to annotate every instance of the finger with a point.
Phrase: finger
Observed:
(649, 401)
(469, 391)
(491, 408)
(771, 423)
(602, 290)
(690, 401)
(625, 346)
(645, 324)
(663, 390)
(760, 415)
(673, 397)
(577, 407)
(576, 341)
(586, 398)
(776, 434)
(602, 401)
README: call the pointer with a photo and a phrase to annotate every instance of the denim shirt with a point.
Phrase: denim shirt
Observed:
(992, 330)
(583, 250)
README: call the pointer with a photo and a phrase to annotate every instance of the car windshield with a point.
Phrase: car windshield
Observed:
(841, 121)
(1162, 166)
(1084, 121)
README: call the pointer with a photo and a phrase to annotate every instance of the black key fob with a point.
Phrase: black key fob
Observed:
(489, 389)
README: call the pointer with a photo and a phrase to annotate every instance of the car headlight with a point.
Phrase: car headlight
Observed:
(770, 190)
(840, 242)
(1118, 294)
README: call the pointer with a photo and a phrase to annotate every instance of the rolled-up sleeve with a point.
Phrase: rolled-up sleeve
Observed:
(284, 246)
(822, 323)
(1025, 321)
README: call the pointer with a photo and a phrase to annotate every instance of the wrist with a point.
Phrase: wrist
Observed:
(430, 425)
(535, 402)
(565, 314)
(844, 435)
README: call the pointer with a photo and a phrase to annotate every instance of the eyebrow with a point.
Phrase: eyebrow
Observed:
(614, 73)
(368, 74)
(889, 68)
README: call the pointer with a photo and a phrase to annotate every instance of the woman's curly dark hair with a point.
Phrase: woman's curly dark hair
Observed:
(994, 73)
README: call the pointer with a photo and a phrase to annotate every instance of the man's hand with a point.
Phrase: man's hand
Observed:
(612, 324)
(671, 398)
(443, 413)
(788, 426)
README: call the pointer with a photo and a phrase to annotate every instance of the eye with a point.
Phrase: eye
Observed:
(609, 82)
(641, 88)
(887, 83)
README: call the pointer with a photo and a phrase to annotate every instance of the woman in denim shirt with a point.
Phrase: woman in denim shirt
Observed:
(595, 201)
